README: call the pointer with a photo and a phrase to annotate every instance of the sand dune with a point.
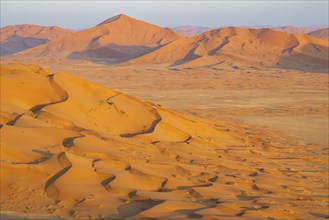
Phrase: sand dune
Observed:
(321, 33)
(74, 149)
(16, 38)
(233, 47)
(115, 38)
(191, 31)
(124, 40)
(296, 30)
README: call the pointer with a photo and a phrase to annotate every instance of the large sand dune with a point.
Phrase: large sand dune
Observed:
(74, 149)
(240, 46)
(321, 33)
(191, 31)
(116, 38)
(122, 39)
(16, 38)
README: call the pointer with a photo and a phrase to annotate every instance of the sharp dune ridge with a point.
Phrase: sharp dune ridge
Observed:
(240, 46)
(74, 149)
(122, 40)
(115, 38)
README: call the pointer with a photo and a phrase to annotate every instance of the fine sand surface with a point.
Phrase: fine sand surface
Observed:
(292, 102)
(74, 149)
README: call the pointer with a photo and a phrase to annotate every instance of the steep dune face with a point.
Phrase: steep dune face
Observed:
(16, 38)
(115, 38)
(74, 149)
(239, 45)
(321, 33)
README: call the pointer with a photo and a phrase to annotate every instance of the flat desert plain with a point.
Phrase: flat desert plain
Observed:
(229, 124)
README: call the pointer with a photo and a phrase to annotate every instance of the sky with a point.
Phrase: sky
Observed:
(84, 14)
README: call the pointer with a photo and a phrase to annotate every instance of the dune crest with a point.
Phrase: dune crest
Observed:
(122, 40)
(116, 38)
(75, 149)
(240, 46)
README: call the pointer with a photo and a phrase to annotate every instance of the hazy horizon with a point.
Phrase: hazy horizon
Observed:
(84, 14)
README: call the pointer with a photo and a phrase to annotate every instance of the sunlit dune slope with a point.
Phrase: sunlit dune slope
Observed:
(53, 124)
(240, 46)
(77, 103)
(74, 149)
(115, 38)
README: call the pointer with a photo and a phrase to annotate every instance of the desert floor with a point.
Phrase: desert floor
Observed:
(276, 167)
(292, 102)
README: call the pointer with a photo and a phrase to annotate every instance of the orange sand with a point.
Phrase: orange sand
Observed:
(70, 148)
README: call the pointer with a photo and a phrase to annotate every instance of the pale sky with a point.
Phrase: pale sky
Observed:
(83, 14)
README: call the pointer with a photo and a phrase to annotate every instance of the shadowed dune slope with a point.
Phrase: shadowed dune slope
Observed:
(322, 33)
(16, 38)
(115, 38)
(240, 46)
(74, 149)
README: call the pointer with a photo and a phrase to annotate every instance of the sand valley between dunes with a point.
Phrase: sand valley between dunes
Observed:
(216, 144)
(129, 120)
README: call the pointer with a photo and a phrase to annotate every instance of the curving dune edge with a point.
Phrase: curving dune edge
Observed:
(74, 149)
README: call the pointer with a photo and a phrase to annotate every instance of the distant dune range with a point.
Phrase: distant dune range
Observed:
(243, 47)
(124, 40)
(16, 38)
(321, 33)
(191, 31)
(296, 30)
(75, 149)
